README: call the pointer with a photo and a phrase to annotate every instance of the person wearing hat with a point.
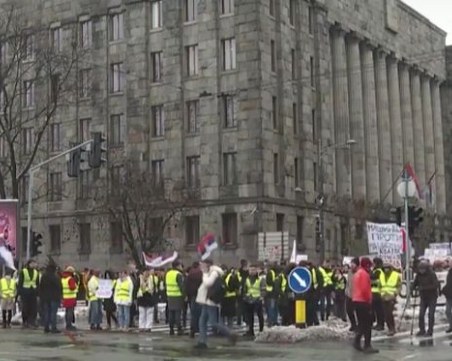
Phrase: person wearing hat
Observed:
(70, 288)
(390, 284)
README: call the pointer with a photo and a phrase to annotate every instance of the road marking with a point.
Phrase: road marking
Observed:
(409, 357)
(403, 334)
(66, 346)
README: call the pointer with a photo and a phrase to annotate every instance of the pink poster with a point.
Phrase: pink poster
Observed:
(8, 223)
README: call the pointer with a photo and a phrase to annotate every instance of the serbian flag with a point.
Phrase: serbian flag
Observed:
(157, 260)
(207, 245)
(411, 173)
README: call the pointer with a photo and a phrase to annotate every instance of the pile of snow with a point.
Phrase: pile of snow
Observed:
(332, 330)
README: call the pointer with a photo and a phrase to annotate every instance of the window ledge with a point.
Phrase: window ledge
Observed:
(192, 135)
(157, 138)
(117, 94)
(116, 42)
(225, 16)
(230, 129)
(190, 22)
(229, 71)
(84, 99)
(156, 84)
(156, 30)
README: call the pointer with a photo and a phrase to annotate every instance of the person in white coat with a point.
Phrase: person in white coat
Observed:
(209, 297)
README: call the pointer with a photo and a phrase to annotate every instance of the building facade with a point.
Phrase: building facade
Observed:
(261, 106)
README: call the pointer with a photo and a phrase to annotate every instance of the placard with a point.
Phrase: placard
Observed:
(385, 240)
(105, 289)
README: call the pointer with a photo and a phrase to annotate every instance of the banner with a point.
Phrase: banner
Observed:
(8, 224)
(385, 240)
(105, 289)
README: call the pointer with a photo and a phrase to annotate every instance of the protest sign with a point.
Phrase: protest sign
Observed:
(105, 289)
(385, 240)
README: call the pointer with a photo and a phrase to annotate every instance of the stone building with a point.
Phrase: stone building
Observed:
(255, 103)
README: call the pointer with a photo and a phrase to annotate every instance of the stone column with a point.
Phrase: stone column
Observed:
(384, 130)
(418, 126)
(370, 123)
(407, 121)
(356, 118)
(395, 115)
(341, 113)
(429, 137)
(439, 149)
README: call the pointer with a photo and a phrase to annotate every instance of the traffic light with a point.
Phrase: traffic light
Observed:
(95, 158)
(74, 159)
(36, 244)
(398, 215)
(318, 234)
(415, 218)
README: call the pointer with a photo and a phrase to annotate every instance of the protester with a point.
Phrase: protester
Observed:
(145, 299)
(95, 304)
(70, 289)
(390, 283)
(354, 264)
(253, 300)
(109, 303)
(27, 288)
(8, 292)
(447, 292)
(193, 281)
(123, 299)
(339, 282)
(175, 289)
(50, 293)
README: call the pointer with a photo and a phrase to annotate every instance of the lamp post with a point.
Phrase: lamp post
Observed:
(321, 152)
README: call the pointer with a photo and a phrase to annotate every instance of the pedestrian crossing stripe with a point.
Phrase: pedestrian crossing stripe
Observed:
(425, 341)
(406, 335)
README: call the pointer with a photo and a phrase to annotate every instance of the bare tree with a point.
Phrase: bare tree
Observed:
(37, 77)
(143, 206)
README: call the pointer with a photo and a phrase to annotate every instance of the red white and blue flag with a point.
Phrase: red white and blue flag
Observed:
(159, 260)
(207, 245)
(412, 174)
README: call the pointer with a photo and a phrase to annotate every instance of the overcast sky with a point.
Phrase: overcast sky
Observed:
(438, 11)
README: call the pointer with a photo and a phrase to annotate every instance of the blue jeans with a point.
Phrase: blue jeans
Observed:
(50, 309)
(449, 312)
(195, 312)
(95, 313)
(209, 315)
(123, 316)
(272, 311)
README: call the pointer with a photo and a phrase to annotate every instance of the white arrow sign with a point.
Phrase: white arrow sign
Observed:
(300, 280)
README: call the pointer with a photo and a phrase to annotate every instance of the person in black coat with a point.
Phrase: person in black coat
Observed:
(447, 292)
(50, 294)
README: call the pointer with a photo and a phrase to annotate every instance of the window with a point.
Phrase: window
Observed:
(192, 59)
(229, 58)
(85, 83)
(158, 121)
(116, 245)
(29, 93)
(279, 222)
(193, 165)
(84, 181)
(55, 238)
(272, 8)
(116, 133)
(192, 235)
(86, 34)
(27, 140)
(314, 125)
(116, 177)
(229, 168)
(156, 14)
(274, 113)
(295, 118)
(276, 168)
(229, 233)
(191, 9)
(156, 59)
(273, 55)
(311, 20)
(55, 137)
(84, 129)
(116, 26)
(56, 187)
(315, 171)
(117, 78)
(55, 38)
(28, 46)
(294, 64)
(296, 171)
(226, 7)
(292, 12)
(85, 238)
(54, 87)
(312, 67)
(230, 120)
(192, 116)
(158, 174)
(155, 228)
(300, 224)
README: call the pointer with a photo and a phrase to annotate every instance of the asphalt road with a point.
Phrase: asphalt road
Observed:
(19, 345)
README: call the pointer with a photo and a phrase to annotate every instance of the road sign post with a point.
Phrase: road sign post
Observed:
(300, 281)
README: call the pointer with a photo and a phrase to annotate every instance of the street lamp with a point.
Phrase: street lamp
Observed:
(320, 200)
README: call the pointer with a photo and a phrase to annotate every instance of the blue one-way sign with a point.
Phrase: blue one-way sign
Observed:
(300, 280)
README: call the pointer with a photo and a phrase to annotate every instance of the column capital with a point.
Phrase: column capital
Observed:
(354, 36)
(339, 29)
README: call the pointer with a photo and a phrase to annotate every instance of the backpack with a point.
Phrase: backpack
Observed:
(217, 291)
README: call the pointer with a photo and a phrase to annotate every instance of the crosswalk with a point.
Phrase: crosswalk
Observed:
(406, 338)
(164, 328)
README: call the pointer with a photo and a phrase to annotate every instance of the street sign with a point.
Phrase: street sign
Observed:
(300, 280)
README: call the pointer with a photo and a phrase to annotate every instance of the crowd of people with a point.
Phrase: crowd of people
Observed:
(364, 293)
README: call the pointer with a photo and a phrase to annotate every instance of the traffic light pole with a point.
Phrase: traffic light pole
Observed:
(406, 180)
(31, 174)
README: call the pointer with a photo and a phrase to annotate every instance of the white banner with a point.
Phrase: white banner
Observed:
(105, 289)
(385, 240)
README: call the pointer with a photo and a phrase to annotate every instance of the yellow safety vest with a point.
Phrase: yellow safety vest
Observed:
(144, 288)
(315, 284)
(122, 291)
(253, 290)
(172, 288)
(389, 286)
(327, 281)
(68, 294)
(340, 284)
(267, 287)
(28, 281)
(93, 297)
(8, 288)
(283, 283)
(376, 284)
(229, 294)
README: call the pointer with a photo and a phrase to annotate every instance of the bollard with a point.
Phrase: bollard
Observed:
(300, 313)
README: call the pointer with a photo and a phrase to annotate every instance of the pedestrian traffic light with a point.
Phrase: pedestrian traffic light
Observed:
(96, 152)
(398, 215)
(414, 218)
(74, 159)
(36, 244)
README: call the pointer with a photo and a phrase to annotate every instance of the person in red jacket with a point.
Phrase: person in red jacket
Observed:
(362, 301)
(70, 288)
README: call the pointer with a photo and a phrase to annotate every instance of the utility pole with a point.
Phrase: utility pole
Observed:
(406, 181)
